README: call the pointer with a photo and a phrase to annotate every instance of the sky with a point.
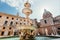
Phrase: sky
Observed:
(15, 6)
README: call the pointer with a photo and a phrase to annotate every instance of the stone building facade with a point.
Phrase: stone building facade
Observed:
(9, 24)
(49, 25)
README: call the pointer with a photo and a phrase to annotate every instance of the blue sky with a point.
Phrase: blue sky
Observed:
(37, 6)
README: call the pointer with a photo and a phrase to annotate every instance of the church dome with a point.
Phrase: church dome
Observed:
(46, 14)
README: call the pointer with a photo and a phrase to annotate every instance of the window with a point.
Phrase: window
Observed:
(20, 23)
(10, 28)
(12, 18)
(9, 33)
(7, 17)
(55, 20)
(15, 33)
(24, 20)
(16, 22)
(3, 27)
(24, 23)
(11, 23)
(20, 19)
(58, 28)
(2, 33)
(5, 22)
(31, 31)
(0, 16)
(45, 21)
(17, 19)
(19, 32)
(58, 32)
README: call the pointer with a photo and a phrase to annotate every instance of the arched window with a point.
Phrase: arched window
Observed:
(24, 20)
(20, 19)
(15, 33)
(2, 33)
(16, 22)
(9, 33)
(11, 23)
(10, 28)
(7, 17)
(45, 21)
(12, 18)
(5, 23)
(0, 16)
(20, 23)
(3, 27)
(17, 19)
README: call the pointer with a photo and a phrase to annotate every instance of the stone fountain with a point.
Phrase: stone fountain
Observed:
(27, 31)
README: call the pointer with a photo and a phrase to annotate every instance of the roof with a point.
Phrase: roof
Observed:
(1, 13)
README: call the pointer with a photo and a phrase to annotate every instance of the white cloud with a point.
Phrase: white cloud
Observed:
(2, 0)
(37, 6)
(15, 3)
(18, 4)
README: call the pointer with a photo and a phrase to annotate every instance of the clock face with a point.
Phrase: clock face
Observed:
(26, 10)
